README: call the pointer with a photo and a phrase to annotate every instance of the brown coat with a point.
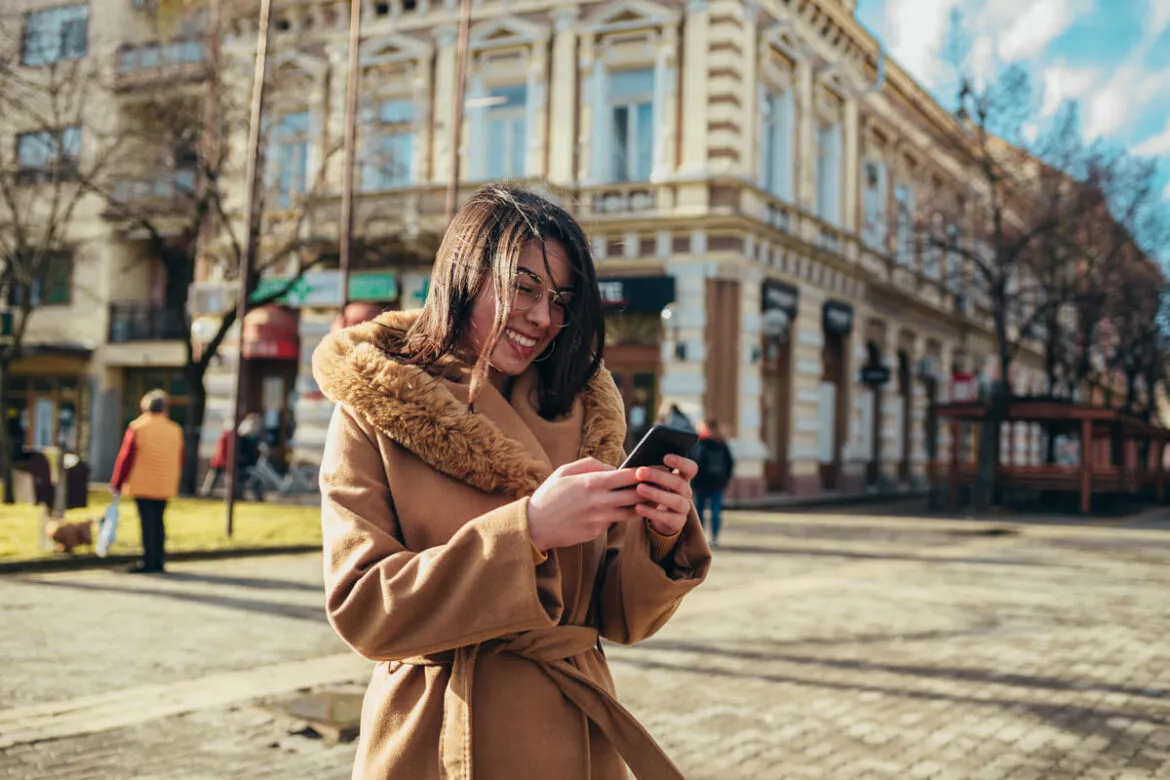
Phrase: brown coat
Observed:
(429, 570)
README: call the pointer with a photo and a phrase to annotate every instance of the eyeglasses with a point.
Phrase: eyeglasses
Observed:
(528, 290)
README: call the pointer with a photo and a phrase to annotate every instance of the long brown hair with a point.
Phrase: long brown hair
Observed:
(479, 255)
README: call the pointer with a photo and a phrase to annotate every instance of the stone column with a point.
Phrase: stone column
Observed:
(684, 379)
(852, 162)
(808, 339)
(751, 452)
(666, 104)
(694, 89)
(806, 138)
(749, 119)
(563, 99)
(537, 111)
(444, 124)
(423, 104)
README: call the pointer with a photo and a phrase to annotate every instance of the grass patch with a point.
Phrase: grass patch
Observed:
(191, 523)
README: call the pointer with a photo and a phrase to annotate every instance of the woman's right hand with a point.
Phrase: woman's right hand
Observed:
(579, 502)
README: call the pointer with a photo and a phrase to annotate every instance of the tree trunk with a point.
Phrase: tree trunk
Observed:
(196, 409)
(6, 443)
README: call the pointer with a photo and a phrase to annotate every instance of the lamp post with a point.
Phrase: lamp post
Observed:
(251, 238)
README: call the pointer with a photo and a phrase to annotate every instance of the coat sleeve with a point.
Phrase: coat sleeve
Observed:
(637, 595)
(389, 603)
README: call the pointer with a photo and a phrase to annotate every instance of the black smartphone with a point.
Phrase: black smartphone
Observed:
(660, 441)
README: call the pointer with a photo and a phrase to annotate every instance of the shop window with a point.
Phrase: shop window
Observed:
(45, 411)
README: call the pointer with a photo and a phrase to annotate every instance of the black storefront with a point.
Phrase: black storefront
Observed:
(633, 352)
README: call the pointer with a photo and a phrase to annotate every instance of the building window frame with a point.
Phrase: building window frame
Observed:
(875, 203)
(48, 155)
(905, 202)
(52, 287)
(65, 30)
(639, 107)
(829, 171)
(291, 145)
(390, 151)
(777, 141)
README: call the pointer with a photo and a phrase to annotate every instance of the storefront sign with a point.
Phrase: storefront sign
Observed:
(837, 318)
(637, 293)
(875, 375)
(778, 296)
(323, 288)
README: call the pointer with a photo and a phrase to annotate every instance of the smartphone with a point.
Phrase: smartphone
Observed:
(660, 441)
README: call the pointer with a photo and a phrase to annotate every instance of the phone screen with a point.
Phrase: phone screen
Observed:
(659, 442)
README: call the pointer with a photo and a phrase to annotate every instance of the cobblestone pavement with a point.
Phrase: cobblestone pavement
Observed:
(824, 645)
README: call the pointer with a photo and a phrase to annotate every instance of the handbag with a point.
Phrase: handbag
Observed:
(109, 529)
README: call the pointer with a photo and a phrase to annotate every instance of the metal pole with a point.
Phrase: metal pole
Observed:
(251, 238)
(460, 79)
(352, 79)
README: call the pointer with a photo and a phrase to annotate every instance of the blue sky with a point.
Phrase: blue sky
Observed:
(1111, 56)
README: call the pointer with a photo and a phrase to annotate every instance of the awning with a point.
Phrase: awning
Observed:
(270, 333)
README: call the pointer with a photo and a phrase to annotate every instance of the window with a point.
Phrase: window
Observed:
(52, 286)
(955, 281)
(290, 157)
(631, 95)
(932, 254)
(829, 174)
(776, 143)
(507, 132)
(904, 197)
(390, 155)
(150, 55)
(42, 154)
(55, 35)
(876, 228)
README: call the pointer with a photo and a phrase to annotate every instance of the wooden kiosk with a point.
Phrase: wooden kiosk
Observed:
(1110, 443)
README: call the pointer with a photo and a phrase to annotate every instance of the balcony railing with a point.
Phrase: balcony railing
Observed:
(144, 322)
(168, 63)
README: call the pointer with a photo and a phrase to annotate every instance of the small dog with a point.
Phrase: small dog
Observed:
(66, 536)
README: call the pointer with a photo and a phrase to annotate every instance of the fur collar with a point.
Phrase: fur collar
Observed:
(416, 410)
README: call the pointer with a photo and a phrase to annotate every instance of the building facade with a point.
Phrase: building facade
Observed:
(748, 173)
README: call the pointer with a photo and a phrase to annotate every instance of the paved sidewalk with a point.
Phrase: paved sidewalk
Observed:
(825, 645)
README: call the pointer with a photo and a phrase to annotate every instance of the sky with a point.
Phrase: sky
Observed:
(1111, 56)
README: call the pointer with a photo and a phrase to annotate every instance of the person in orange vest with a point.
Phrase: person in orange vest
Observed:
(148, 468)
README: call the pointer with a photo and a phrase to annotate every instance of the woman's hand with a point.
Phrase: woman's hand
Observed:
(579, 502)
(666, 495)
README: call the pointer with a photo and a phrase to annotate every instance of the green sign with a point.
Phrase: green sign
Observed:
(323, 288)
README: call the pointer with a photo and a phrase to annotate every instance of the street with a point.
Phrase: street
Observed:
(832, 644)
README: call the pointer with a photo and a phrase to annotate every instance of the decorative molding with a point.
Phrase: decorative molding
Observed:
(506, 31)
(630, 15)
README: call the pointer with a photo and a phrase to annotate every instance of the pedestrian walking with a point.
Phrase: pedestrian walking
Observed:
(148, 468)
(716, 466)
(675, 418)
(251, 450)
(478, 538)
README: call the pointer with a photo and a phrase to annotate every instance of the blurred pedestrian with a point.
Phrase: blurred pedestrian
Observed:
(675, 418)
(479, 539)
(251, 450)
(148, 468)
(716, 466)
(218, 463)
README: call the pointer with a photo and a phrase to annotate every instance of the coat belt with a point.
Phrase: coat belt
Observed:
(549, 648)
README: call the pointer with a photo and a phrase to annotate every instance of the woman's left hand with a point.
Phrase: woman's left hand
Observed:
(667, 494)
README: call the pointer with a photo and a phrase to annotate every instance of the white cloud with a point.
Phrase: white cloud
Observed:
(1062, 83)
(1166, 192)
(1157, 145)
(1111, 106)
(918, 35)
(1031, 31)
(1159, 18)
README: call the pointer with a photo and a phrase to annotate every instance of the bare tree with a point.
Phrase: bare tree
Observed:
(180, 192)
(1013, 249)
(56, 148)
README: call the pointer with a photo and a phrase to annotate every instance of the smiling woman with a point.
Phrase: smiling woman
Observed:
(478, 535)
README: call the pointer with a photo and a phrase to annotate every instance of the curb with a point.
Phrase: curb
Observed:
(77, 562)
(793, 502)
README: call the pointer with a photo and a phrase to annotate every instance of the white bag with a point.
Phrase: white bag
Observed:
(109, 530)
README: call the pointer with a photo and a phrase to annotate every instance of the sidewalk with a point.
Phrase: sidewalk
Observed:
(828, 498)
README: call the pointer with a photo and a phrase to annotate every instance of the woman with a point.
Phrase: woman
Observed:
(478, 539)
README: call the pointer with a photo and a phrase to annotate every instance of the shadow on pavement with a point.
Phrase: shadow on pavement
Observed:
(801, 552)
(944, 673)
(259, 583)
(295, 611)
